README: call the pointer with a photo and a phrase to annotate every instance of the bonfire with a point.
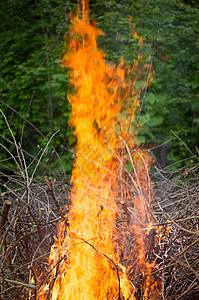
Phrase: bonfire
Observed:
(111, 232)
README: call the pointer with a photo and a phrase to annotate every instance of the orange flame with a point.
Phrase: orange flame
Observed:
(84, 261)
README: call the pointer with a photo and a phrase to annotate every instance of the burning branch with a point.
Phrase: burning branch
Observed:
(118, 276)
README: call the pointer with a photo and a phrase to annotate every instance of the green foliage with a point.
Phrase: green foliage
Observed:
(31, 75)
(177, 73)
(172, 100)
(32, 79)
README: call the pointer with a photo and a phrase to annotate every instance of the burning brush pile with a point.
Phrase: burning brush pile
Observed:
(115, 233)
(163, 255)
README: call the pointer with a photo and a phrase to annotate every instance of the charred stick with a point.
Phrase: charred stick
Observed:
(116, 268)
(3, 220)
(4, 214)
(54, 199)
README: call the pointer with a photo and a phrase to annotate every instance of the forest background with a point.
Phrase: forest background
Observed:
(34, 84)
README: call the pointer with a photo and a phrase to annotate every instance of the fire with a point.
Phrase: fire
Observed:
(84, 263)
